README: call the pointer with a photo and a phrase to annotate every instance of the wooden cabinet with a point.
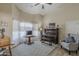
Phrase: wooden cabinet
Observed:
(50, 35)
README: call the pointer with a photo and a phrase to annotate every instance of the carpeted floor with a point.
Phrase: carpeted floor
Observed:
(36, 49)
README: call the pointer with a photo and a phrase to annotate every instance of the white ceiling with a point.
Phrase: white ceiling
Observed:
(30, 8)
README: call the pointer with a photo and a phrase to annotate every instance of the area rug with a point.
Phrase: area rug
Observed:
(36, 49)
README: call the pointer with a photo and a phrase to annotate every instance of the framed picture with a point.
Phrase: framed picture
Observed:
(52, 25)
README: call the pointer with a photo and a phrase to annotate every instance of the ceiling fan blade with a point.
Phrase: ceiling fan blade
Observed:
(49, 3)
(42, 6)
(36, 4)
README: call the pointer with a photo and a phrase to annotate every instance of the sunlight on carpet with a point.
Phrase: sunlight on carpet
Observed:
(36, 49)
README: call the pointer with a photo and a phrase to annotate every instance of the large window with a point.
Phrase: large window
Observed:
(20, 30)
(24, 27)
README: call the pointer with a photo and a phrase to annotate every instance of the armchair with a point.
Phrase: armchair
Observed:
(71, 46)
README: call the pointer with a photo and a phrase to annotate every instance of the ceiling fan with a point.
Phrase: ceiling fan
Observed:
(42, 4)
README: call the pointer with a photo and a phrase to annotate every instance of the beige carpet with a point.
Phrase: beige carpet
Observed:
(36, 49)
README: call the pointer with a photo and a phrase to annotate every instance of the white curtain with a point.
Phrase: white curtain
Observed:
(20, 29)
(15, 33)
(24, 27)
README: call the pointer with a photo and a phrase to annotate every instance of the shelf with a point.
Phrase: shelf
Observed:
(51, 29)
(49, 35)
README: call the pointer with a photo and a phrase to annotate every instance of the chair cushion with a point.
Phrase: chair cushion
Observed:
(69, 40)
(65, 45)
(76, 36)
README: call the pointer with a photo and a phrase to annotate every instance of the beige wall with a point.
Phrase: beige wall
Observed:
(15, 12)
(61, 16)
(34, 18)
(21, 16)
(26, 17)
(6, 16)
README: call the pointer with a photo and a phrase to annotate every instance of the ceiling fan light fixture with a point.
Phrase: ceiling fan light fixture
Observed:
(42, 6)
(49, 3)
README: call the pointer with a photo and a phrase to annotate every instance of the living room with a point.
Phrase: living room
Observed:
(33, 18)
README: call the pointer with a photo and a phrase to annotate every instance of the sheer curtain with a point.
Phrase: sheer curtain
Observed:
(15, 33)
(24, 27)
(20, 30)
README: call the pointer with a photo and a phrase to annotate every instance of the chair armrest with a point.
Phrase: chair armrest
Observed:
(64, 44)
